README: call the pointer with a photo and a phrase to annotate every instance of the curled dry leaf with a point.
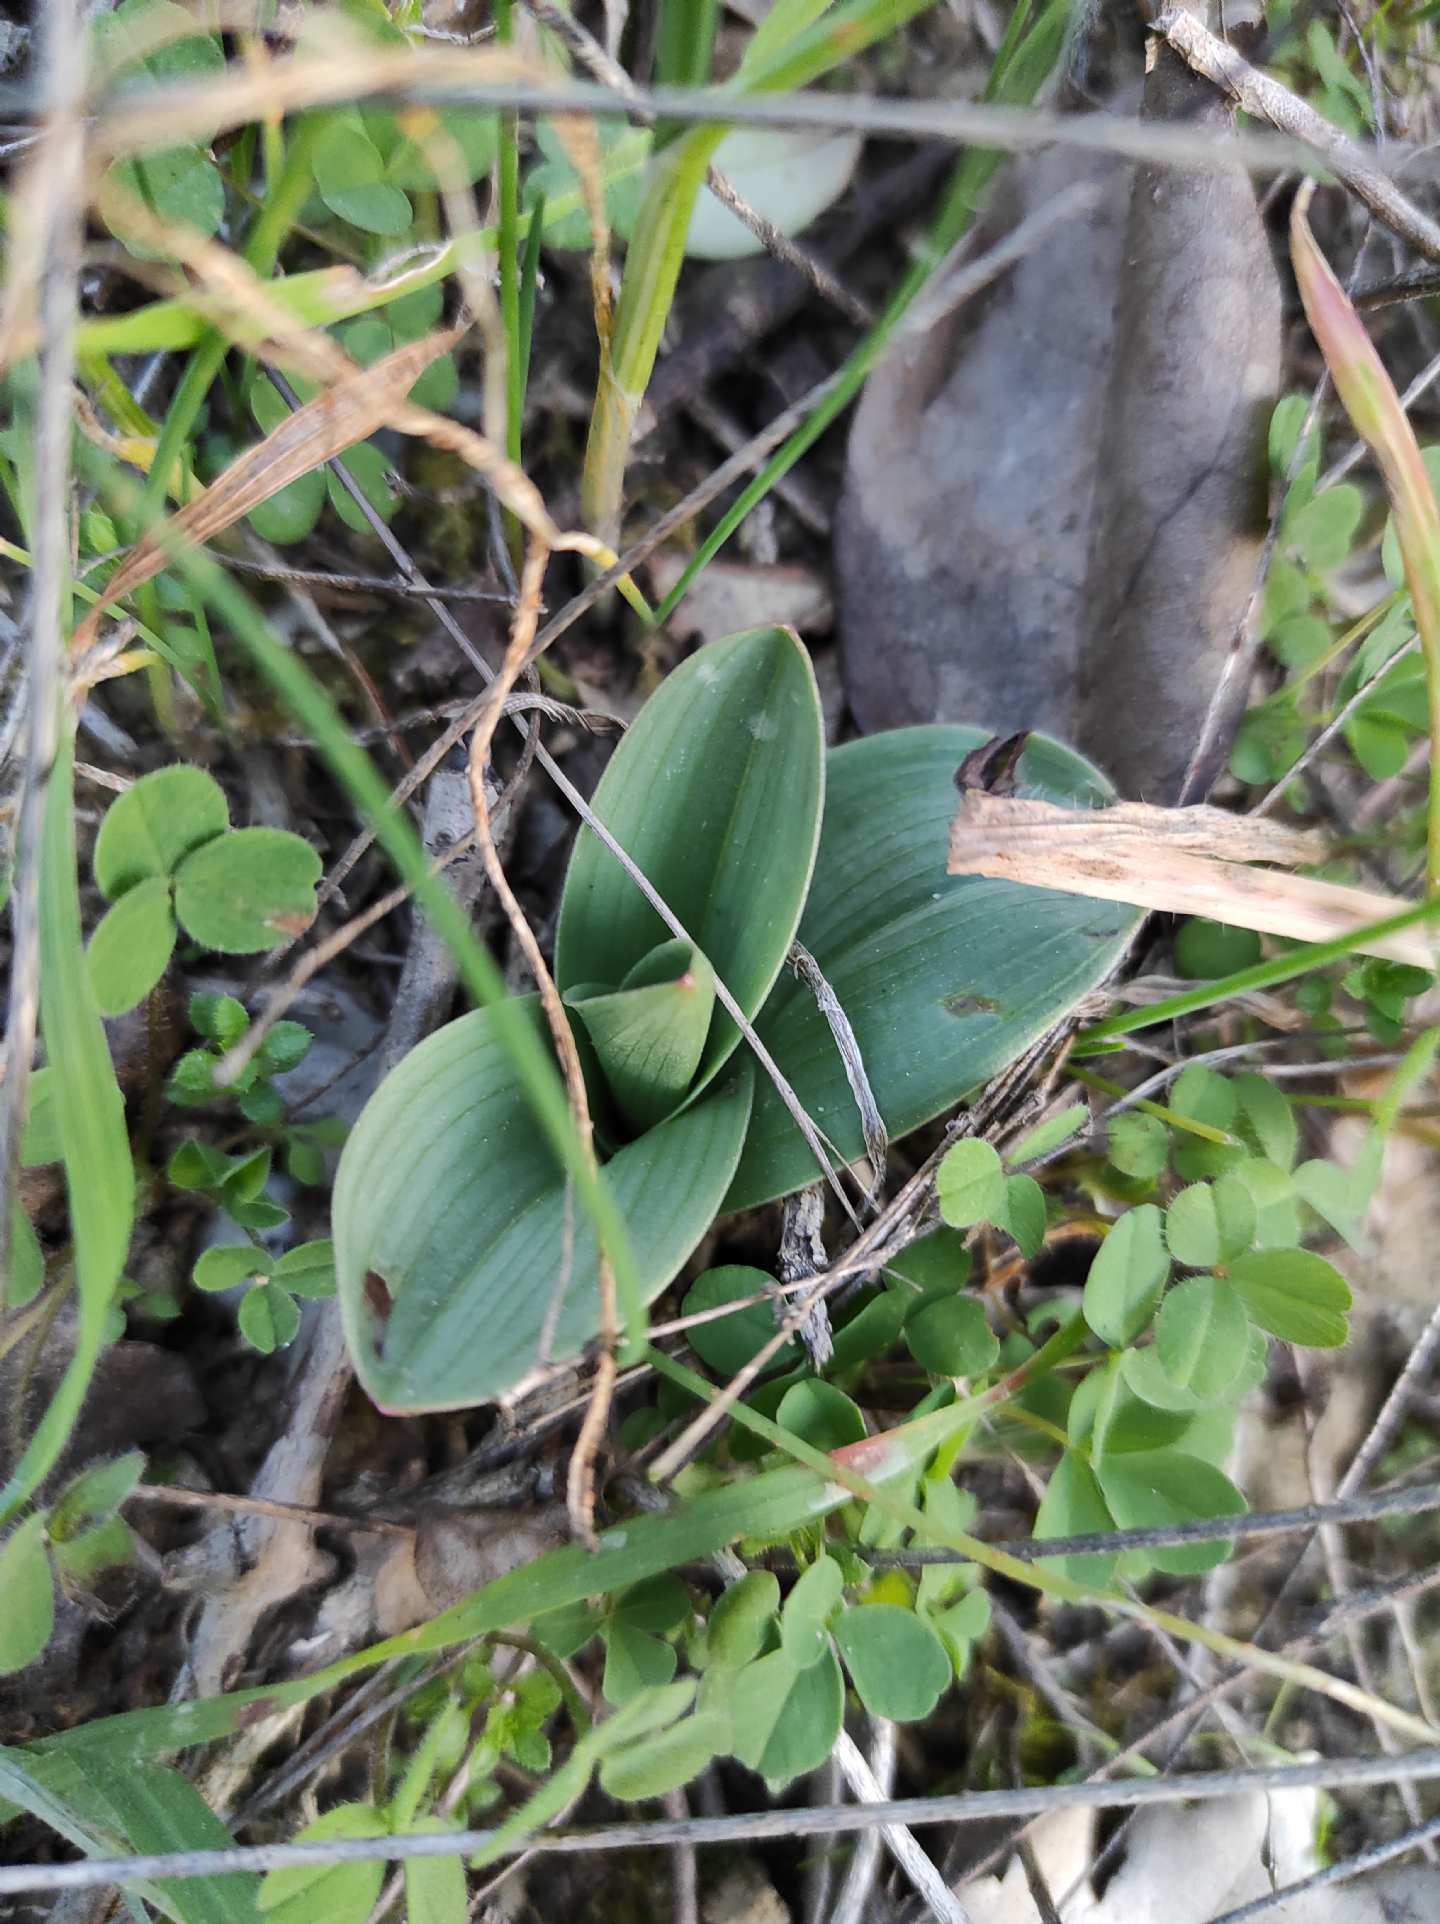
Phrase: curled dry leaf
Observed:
(1187, 861)
(1054, 501)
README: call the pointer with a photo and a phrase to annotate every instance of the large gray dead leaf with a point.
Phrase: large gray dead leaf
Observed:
(964, 531)
(1182, 502)
(1054, 500)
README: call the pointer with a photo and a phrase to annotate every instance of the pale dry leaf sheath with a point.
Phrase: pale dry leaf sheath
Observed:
(1185, 861)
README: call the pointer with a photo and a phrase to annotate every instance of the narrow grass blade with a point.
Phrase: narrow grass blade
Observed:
(1380, 420)
(99, 1176)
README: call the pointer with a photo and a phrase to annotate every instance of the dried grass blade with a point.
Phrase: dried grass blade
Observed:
(1186, 861)
(350, 411)
(1379, 417)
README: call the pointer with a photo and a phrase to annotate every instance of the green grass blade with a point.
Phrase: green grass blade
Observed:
(772, 1503)
(99, 1176)
(1263, 975)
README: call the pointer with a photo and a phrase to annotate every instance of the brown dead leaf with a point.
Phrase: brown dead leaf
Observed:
(1187, 861)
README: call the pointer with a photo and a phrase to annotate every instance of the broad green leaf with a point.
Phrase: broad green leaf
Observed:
(221, 1019)
(870, 1332)
(95, 1495)
(289, 514)
(1207, 950)
(268, 1318)
(788, 175)
(371, 471)
(1295, 1294)
(435, 1890)
(741, 1619)
(1073, 1505)
(154, 825)
(1146, 1376)
(306, 1893)
(785, 1720)
(131, 947)
(624, 151)
(450, 1223)
(287, 1044)
(41, 1141)
(635, 1661)
(1204, 1097)
(1139, 1145)
(108, 1809)
(349, 177)
(26, 1276)
(1202, 1335)
(666, 1761)
(949, 1335)
(1340, 1196)
(1277, 1211)
(1323, 529)
(178, 184)
(230, 1265)
(961, 1625)
(27, 1595)
(81, 1559)
(308, 1270)
(159, 1810)
(970, 1185)
(659, 1604)
(934, 1262)
(1150, 1489)
(805, 1619)
(649, 1034)
(1208, 1223)
(944, 979)
(1266, 1118)
(1049, 1134)
(248, 891)
(728, 1343)
(1105, 1415)
(1023, 1216)
(715, 793)
(1126, 1277)
(474, 133)
(825, 1416)
(897, 1663)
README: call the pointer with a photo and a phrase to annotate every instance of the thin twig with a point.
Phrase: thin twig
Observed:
(965, 1807)
(782, 248)
(1340, 1873)
(358, 584)
(1265, 99)
(865, 1783)
(175, 1498)
(1419, 1501)
(1333, 726)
